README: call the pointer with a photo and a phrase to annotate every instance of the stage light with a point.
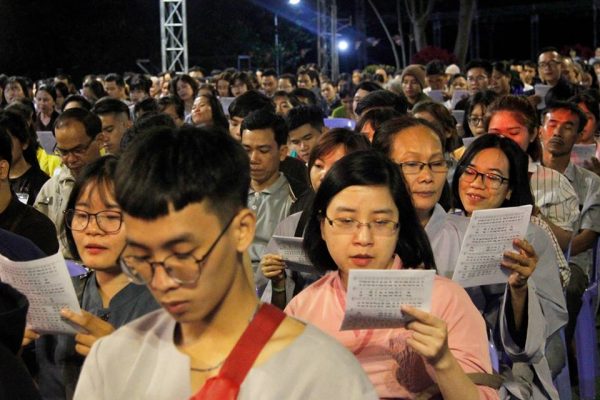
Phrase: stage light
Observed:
(343, 45)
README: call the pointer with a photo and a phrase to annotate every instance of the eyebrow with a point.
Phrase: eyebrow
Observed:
(86, 204)
(183, 238)
(377, 211)
(495, 170)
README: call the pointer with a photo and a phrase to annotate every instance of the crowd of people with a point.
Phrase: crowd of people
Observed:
(168, 190)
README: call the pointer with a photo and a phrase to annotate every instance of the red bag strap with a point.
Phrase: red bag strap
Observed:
(233, 372)
(255, 337)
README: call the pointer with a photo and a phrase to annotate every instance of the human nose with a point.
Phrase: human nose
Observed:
(363, 235)
(478, 183)
(425, 174)
(254, 158)
(161, 280)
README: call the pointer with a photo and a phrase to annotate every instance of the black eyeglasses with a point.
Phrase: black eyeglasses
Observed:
(379, 227)
(415, 167)
(182, 268)
(494, 181)
(77, 151)
(108, 221)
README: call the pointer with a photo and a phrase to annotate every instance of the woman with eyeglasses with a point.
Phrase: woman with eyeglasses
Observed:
(493, 174)
(108, 300)
(283, 284)
(474, 115)
(362, 218)
(415, 146)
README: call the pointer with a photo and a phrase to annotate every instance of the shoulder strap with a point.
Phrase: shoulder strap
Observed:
(226, 384)
(254, 338)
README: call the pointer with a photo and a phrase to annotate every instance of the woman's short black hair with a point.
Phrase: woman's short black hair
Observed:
(100, 173)
(518, 177)
(368, 168)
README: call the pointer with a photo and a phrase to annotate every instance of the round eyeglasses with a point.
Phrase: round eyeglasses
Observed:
(181, 268)
(108, 221)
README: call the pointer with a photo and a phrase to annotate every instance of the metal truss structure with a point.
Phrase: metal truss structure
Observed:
(173, 35)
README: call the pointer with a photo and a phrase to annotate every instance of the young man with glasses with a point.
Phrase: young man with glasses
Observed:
(187, 242)
(75, 131)
(550, 68)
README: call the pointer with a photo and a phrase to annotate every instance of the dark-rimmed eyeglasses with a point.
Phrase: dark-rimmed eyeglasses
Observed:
(415, 167)
(493, 181)
(108, 221)
(77, 151)
(183, 268)
(379, 227)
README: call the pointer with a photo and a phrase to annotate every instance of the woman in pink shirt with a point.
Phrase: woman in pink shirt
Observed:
(363, 218)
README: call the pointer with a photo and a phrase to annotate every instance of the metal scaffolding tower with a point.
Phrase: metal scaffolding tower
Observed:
(173, 35)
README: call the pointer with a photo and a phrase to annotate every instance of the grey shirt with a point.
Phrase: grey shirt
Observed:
(587, 186)
(270, 205)
(313, 366)
(59, 363)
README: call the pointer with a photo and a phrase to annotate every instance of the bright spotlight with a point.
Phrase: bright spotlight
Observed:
(343, 45)
(294, 2)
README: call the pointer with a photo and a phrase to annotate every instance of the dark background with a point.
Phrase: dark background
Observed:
(39, 38)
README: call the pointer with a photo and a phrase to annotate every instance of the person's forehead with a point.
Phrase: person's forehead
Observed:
(548, 55)
(303, 130)
(477, 71)
(258, 137)
(72, 132)
(562, 115)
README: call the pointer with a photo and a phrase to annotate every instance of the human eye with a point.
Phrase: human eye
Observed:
(494, 178)
(111, 215)
(319, 164)
(264, 149)
(470, 171)
(438, 164)
(295, 142)
(345, 222)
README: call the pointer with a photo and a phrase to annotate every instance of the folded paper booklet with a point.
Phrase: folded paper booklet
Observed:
(47, 285)
(374, 297)
(489, 234)
(290, 248)
(582, 153)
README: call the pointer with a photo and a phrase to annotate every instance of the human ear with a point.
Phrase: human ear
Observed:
(508, 194)
(283, 152)
(245, 227)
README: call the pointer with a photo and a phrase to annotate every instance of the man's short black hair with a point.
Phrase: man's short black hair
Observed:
(483, 64)
(250, 101)
(79, 99)
(109, 105)
(180, 167)
(174, 101)
(269, 72)
(91, 122)
(116, 78)
(305, 93)
(382, 99)
(298, 116)
(548, 49)
(435, 67)
(140, 82)
(571, 107)
(266, 119)
(145, 106)
(289, 77)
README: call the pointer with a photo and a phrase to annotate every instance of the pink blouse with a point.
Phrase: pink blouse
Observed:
(393, 367)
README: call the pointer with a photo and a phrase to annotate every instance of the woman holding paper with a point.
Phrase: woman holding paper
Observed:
(410, 142)
(283, 284)
(108, 300)
(363, 218)
(493, 174)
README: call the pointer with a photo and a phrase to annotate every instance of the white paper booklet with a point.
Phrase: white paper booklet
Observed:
(582, 152)
(47, 285)
(489, 234)
(290, 248)
(374, 297)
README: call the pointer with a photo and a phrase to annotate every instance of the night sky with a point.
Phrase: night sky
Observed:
(42, 37)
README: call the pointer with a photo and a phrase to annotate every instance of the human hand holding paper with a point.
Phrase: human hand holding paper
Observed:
(93, 326)
(429, 336)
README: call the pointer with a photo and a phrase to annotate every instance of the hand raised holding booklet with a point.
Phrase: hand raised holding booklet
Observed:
(47, 285)
(490, 233)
